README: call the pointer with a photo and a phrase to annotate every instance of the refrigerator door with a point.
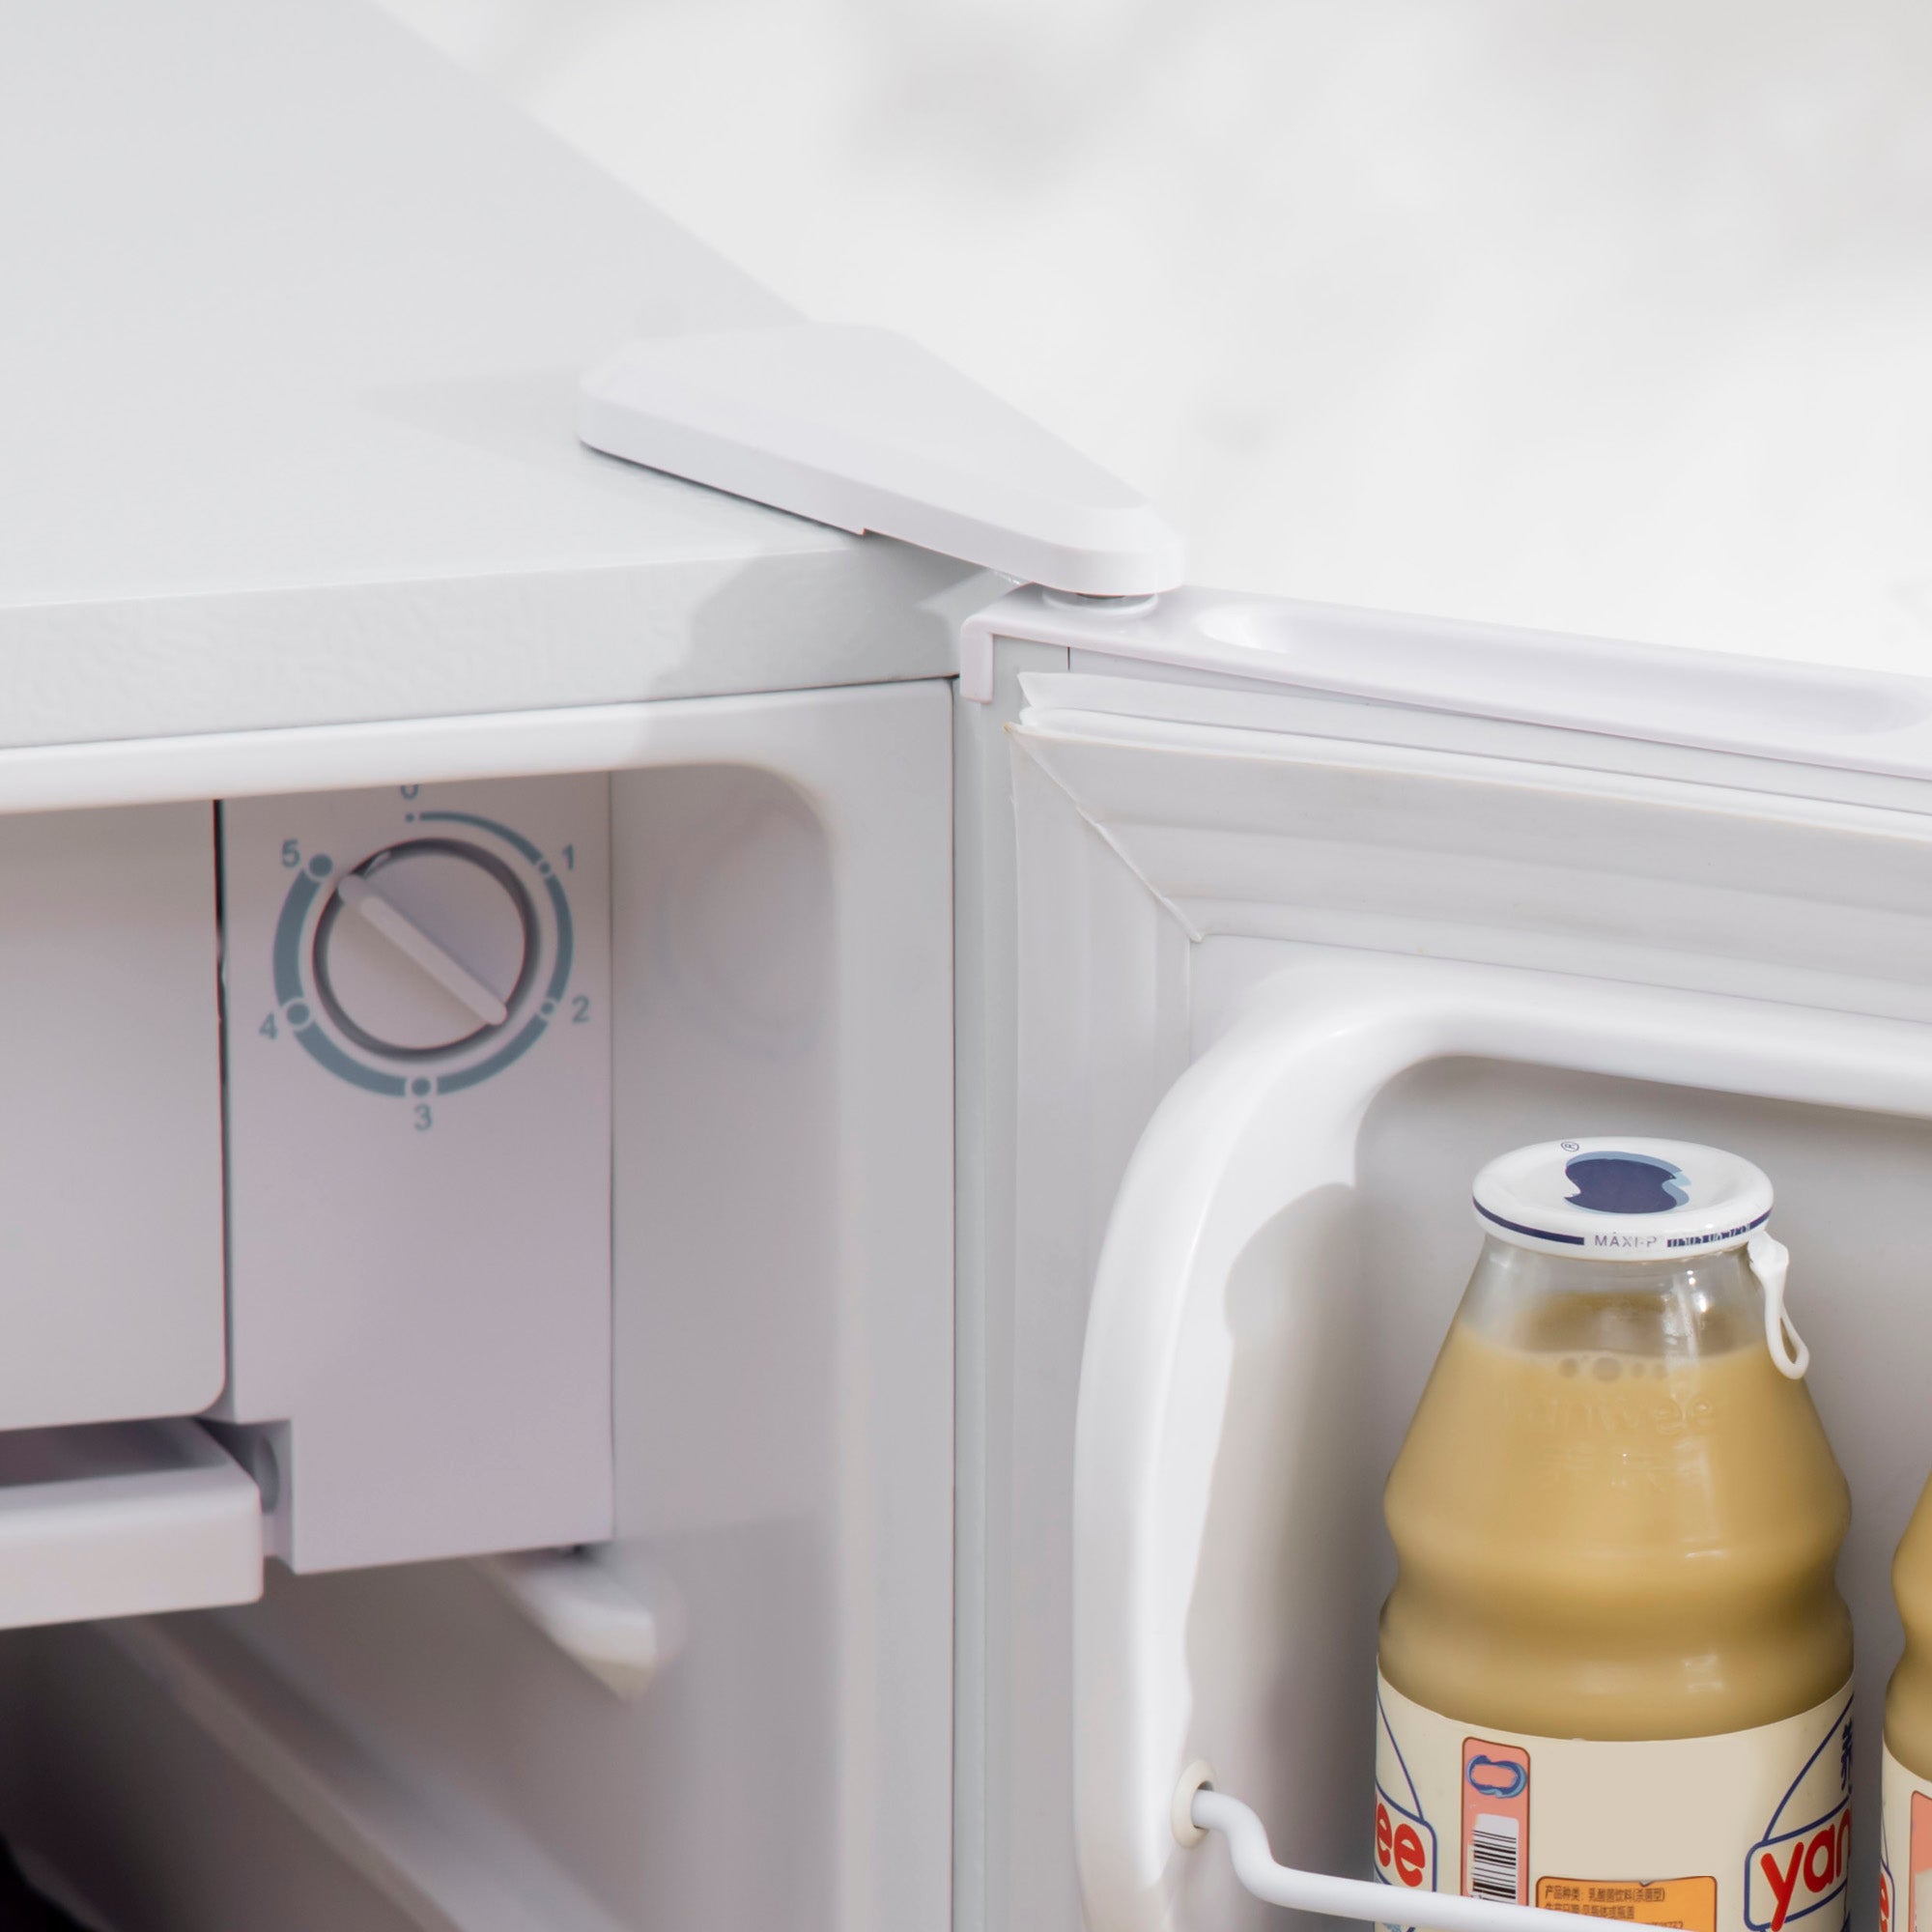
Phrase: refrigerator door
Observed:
(1301, 933)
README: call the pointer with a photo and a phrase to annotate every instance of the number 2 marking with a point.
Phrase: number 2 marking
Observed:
(581, 1011)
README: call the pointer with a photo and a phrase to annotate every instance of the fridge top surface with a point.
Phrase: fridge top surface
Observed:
(295, 317)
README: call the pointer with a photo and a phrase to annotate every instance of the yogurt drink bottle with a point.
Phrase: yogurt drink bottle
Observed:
(1615, 1668)
(1905, 1844)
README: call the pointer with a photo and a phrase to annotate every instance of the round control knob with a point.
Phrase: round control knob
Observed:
(424, 947)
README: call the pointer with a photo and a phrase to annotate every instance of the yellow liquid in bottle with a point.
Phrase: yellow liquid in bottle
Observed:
(1605, 1543)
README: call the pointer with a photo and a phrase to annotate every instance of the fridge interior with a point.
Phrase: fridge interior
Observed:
(707, 1715)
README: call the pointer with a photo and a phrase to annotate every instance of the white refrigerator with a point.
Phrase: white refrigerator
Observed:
(702, 1212)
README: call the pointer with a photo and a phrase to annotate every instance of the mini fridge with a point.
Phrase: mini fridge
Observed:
(700, 1208)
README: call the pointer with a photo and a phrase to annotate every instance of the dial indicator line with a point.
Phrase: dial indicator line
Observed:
(502, 832)
(566, 942)
(288, 938)
(321, 1048)
(471, 1076)
(416, 945)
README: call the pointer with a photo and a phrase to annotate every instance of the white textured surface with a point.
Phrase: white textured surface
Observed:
(1604, 317)
(294, 318)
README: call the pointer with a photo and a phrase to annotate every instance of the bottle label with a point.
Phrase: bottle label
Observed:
(1904, 1851)
(1746, 1831)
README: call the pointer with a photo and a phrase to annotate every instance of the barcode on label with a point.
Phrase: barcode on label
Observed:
(1495, 1851)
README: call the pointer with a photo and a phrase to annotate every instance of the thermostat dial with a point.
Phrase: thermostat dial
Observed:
(433, 962)
(424, 949)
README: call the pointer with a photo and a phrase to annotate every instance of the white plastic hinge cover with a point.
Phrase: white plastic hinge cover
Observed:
(865, 430)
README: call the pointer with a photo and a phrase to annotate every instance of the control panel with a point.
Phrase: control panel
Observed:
(417, 1057)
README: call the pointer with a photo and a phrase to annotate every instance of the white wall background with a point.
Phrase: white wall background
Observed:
(1603, 314)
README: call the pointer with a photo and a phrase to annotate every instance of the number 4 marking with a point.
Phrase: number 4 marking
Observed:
(269, 1030)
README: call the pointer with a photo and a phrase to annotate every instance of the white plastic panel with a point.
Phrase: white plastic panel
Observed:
(419, 1192)
(110, 1132)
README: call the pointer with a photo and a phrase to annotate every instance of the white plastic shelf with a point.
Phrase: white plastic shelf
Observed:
(118, 1519)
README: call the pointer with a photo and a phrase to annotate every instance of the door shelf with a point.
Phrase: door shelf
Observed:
(117, 1519)
(1206, 1809)
(1195, 1501)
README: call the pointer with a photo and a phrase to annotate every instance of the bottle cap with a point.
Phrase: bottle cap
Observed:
(1623, 1199)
